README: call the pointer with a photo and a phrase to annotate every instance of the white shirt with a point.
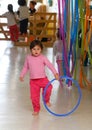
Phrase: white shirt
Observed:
(10, 18)
(57, 49)
(23, 12)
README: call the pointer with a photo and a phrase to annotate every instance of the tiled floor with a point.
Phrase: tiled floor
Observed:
(15, 104)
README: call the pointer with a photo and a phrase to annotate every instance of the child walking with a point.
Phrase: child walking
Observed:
(23, 13)
(57, 51)
(35, 63)
(12, 24)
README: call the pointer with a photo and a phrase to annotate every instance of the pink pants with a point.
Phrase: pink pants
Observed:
(14, 32)
(35, 87)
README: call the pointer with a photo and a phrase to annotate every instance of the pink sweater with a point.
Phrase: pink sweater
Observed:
(36, 66)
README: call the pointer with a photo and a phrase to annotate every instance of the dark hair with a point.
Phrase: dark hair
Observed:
(10, 8)
(33, 2)
(58, 34)
(22, 2)
(36, 43)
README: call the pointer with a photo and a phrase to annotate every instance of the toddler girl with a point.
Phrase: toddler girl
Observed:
(35, 63)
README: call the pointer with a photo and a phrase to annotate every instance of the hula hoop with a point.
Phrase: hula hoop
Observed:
(74, 108)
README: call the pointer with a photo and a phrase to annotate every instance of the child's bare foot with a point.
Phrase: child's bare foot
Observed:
(35, 113)
(48, 104)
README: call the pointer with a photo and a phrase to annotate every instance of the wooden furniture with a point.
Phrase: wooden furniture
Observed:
(42, 26)
(4, 31)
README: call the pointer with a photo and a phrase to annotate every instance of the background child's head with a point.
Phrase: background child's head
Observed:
(32, 4)
(10, 8)
(59, 36)
(22, 2)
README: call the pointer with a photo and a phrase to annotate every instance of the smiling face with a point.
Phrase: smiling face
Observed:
(36, 51)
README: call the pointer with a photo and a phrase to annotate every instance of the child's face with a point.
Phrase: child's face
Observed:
(32, 6)
(36, 51)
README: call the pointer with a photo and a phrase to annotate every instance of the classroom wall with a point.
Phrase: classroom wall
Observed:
(4, 3)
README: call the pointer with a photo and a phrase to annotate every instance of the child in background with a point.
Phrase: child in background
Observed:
(35, 63)
(23, 13)
(12, 24)
(57, 51)
(32, 9)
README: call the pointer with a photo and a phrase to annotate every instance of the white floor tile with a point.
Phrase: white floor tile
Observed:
(15, 104)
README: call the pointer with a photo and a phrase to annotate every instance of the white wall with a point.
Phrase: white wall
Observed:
(4, 3)
(54, 7)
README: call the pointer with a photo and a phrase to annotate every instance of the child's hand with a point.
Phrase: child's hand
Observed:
(56, 76)
(21, 79)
